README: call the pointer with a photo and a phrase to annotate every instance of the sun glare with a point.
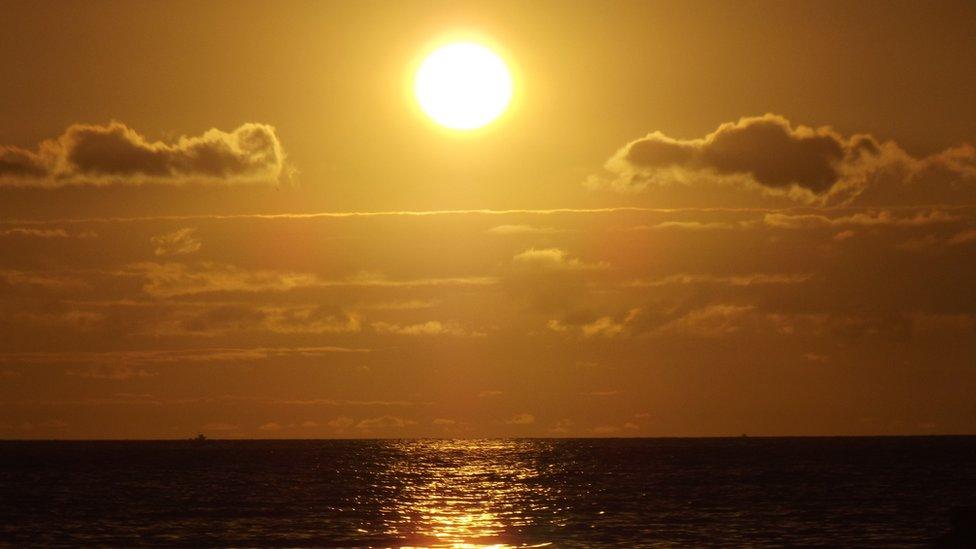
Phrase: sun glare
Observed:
(463, 86)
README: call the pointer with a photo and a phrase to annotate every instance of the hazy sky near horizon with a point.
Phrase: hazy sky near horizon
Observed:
(697, 218)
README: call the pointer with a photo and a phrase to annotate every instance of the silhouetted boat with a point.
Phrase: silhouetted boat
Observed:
(200, 438)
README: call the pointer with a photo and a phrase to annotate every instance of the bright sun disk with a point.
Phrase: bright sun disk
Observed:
(463, 86)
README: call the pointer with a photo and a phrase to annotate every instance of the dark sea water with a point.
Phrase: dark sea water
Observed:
(566, 493)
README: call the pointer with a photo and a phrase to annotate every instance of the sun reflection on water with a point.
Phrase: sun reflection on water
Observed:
(461, 493)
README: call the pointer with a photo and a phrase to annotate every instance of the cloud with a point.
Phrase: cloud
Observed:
(553, 258)
(448, 425)
(961, 324)
(37, 233)
(549, 278)
(143, 399)
(21, 163)
(753, 279)
(335, 402)
(687, 225)
(689, 318)
(521, 419)
(604, 326)
(170, 356)
(522, 230)
(367, 279)
(29, 232)
(179, 242)
(222, 319)
(767, 149)
(175, 279)
(863, 219)
(41, 280)
(179, 279)
(614, 429)
(213, 320)
(712, 321)
(363, 214)
(562, 427)
(311, 319)
(274, 426)
(341, 423)
(771, 155)
(116, 372)
(935, 243)
(210, 319)
(405, 305)
(219, 426)
(115, 153)
(963, 237)
(383, 422)
(431, 327)
(75, 319)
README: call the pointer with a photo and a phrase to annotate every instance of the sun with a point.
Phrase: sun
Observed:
(463, 86)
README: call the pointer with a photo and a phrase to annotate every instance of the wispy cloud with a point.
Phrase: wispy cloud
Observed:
(169, 356)
(176, 279)
(428, 328)
(752, 279)
(179, 242)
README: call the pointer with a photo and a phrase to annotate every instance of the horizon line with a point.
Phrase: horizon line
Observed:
(659, 437)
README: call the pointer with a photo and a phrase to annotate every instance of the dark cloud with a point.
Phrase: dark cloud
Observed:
(16, 162)
(768, 152)
(767, 148)
(94, 154)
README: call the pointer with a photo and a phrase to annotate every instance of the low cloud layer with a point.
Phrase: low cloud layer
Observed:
(154, 327)
(771, 155)
(115, 153)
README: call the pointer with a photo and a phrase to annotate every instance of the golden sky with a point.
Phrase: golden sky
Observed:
(695, 219)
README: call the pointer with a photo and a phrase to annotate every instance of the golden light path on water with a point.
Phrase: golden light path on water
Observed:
(467, 494)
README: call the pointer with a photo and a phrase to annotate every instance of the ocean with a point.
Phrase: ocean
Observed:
(851, 492)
